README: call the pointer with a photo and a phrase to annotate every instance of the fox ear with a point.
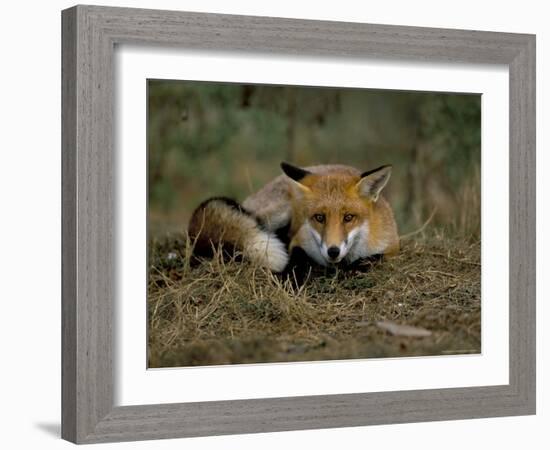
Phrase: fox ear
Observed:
(373, 181)
(296, 174)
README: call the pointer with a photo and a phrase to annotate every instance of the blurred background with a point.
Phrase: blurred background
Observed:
(209, 139)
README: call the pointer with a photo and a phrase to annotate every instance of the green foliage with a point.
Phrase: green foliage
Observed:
(453, 123)
(209, 139)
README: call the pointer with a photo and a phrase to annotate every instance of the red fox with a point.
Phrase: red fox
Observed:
(333, 213)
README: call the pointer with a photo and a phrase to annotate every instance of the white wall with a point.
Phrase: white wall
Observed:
(30, 225)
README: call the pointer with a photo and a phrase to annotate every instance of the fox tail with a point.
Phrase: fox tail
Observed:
(220, 222)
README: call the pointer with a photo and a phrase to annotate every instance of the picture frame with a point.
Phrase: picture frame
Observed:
(89, 37)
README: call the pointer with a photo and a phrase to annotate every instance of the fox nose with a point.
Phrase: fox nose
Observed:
(333, 252)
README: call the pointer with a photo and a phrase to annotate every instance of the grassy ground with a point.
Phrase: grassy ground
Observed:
(220, 312)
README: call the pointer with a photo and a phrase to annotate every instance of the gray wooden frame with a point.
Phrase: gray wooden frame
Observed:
(89, 34)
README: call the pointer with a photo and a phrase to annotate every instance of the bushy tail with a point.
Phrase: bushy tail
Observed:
(220, 222)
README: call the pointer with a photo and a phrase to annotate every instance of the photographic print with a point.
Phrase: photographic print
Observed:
(386, 182)
(297, 223)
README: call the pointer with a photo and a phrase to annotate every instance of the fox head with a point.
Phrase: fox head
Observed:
(333, 210)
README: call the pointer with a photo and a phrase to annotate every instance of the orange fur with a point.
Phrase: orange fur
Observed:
(332, 212)
(336, 195)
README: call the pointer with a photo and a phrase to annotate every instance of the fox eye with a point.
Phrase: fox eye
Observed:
(319, 218)
(348, 217)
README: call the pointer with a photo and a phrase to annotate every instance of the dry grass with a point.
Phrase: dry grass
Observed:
(220, 312)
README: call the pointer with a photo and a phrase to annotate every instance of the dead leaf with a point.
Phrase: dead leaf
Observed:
(403, 330)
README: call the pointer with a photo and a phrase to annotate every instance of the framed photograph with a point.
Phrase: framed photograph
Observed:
(279, 224)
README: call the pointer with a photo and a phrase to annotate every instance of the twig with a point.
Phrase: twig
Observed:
(249, 180)
(464, 261)
(421, 229)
